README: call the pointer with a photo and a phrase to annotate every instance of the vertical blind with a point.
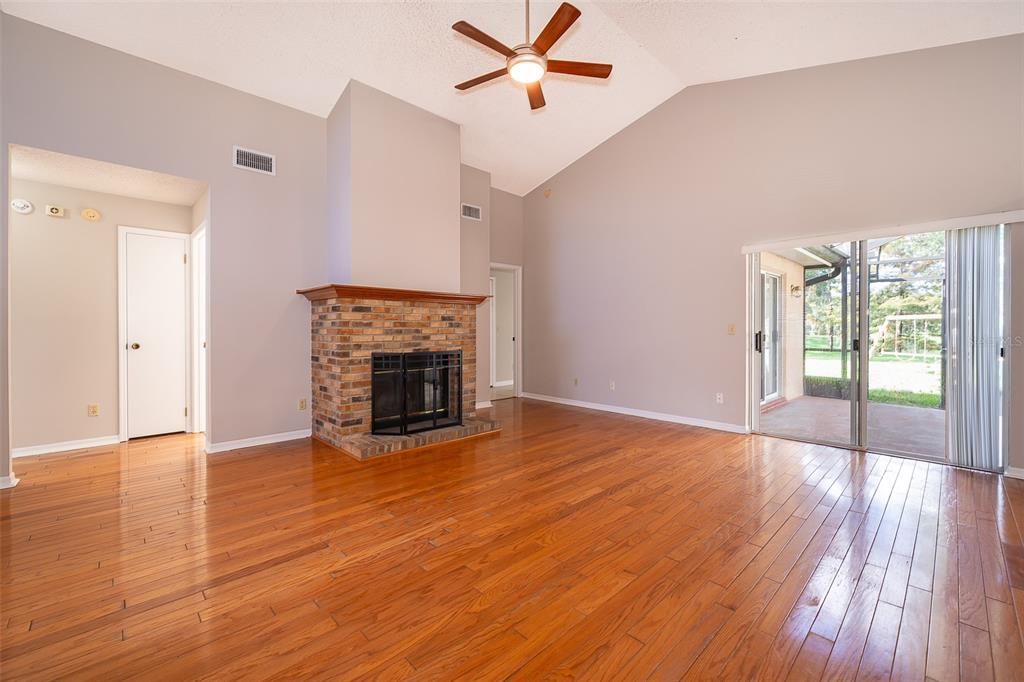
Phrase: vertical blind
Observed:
(974, 341)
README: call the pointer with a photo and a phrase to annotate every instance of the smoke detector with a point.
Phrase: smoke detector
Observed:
(22, 206)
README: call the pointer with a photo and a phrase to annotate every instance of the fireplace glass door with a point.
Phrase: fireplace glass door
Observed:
(416, 391)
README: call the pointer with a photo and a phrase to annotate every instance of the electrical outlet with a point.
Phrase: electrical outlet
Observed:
(93, 410)
(611, 384)
(302, 403)
(720, 398)
(575, 381)
(731, 329)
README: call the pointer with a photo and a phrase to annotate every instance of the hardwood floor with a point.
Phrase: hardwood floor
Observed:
(577, 544)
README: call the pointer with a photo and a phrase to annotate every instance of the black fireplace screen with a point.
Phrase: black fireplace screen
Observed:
(414, 392)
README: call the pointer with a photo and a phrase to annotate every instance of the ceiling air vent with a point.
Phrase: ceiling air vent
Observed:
(254, 161)
(471, 212)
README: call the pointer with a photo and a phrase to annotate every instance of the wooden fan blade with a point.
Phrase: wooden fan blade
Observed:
(536, 95)
(560, 22)
(481, 79)
(471, 31)
(589, 69)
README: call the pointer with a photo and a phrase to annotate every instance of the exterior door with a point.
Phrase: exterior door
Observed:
(770, 382)
(811, 326)
(156, 333)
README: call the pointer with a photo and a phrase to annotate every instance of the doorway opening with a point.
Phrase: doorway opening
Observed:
(102, 303)
(894, 345)
(506, 315)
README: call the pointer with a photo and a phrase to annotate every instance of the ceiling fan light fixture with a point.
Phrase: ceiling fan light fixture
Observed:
(528, 62)
(527, 66)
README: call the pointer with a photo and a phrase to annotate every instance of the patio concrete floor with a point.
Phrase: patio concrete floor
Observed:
(897, 428)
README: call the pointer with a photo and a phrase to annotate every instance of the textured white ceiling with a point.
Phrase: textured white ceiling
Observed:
(303, 54)
(39, 165)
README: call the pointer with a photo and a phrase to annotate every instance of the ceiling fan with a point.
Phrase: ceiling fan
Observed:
(527, 63)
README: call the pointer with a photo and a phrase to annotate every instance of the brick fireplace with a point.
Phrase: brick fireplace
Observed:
(349, 324)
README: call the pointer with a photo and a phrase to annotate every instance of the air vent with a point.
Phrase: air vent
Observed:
(471, 212)
(254, 161)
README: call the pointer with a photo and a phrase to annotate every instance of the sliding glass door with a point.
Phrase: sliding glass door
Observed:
(906, 303)
(806, 343)
(891, 345)
(771, 337)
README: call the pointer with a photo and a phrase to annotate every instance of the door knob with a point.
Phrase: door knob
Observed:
(136, 346)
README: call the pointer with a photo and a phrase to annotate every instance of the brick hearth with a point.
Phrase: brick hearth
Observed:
(349, 323)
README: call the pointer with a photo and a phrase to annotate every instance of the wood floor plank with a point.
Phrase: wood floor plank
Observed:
(845, 659)
(944, 627)
(577, 544)
(720, 651)
(894, 586)
(975, 654)
(876, 662)
(971, 583)
(911, 654)
(810, 663)
(1007, 643)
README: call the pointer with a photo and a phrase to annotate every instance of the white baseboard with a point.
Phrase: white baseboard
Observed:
(51, 448)
(1014, 472)
(8, 482)
(658, 416)
(213, 448)
(484, 404)
(507, 382)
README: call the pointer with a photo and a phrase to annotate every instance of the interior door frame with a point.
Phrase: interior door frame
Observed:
(197, 419)
(517, 324)
(753, 355)
(122, 321)
(491, 307)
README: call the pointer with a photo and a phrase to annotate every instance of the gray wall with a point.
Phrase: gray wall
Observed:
(475, 249)
(632, 254)
(63, 301)
(506, 228)
(393, 199)
(339, 189)
(267, 234)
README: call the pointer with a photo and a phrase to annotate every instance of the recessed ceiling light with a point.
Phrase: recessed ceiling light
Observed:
(22, 206)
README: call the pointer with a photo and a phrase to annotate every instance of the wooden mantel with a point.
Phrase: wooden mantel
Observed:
(382, 293)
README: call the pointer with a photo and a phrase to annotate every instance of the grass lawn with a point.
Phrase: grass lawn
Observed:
(891, 379)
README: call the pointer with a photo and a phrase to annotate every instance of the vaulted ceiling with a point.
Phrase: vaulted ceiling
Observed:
(303, 55)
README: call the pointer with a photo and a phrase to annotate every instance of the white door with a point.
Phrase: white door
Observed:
(156, 334)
